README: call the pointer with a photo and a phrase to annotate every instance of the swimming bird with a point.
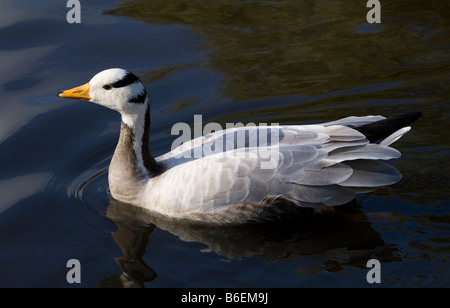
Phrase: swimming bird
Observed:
(225, 177)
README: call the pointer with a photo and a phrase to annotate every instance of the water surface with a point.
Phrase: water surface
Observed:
(231, 61)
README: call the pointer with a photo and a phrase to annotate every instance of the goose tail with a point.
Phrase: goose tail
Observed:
(389, 130)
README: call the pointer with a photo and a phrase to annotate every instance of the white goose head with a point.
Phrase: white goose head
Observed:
(116, 89)
(122, 91)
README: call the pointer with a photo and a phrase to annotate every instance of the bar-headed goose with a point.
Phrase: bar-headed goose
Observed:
(225, 177)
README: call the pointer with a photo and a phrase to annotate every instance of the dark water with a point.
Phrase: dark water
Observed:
(285, 61)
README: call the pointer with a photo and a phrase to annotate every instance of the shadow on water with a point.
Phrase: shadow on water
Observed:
(336, 240)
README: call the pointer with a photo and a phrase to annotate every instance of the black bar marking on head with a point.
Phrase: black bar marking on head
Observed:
(128, 79)
(140, 99)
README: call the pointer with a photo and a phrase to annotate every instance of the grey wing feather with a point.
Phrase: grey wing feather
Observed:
(368, 151)
(370, 173)
(355, 121)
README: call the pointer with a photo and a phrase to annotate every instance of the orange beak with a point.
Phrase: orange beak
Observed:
(81, 92)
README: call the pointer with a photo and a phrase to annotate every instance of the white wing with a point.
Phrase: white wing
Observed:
(250, 136)
(307, 165)
(215, 181)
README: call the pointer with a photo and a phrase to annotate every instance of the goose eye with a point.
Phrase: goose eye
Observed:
(107, 87)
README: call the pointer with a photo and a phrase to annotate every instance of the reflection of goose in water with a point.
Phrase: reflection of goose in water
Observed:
(309, 166)
(132, 236)
(335, 240)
